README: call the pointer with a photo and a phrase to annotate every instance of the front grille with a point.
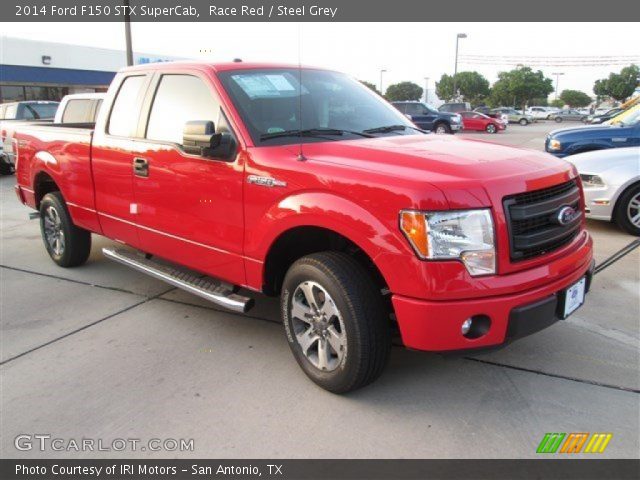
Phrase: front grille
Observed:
(532, 220)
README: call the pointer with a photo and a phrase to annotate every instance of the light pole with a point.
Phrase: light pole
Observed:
(557, 74)
(381, 72)
(455, 69)
(426, 90)
(127, 33)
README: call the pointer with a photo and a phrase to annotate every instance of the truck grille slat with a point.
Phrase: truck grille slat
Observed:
(530, 220)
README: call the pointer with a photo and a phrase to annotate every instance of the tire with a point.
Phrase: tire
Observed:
(441, 128)
(523, 122)
(627, 213)
(491, 128)
(67, 245)
(5, 167)
(558, 119)
(353, 328)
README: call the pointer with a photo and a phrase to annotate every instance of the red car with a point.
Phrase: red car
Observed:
(481, 122)
(304, 184)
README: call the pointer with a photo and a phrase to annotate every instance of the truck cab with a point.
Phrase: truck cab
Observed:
(235, 180)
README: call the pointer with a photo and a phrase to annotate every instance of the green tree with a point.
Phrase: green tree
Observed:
(473, 87)
(619, 86)
(557, 103)
(575, 98)
(541, 102)
(518, 87)
(403, 91)
(370, 85)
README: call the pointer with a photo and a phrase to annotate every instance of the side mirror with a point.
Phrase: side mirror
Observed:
(200, 138)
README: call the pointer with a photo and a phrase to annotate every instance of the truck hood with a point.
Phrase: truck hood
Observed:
(457, 167)
(581, 130)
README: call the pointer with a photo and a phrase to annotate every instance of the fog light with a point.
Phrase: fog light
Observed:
(476, 326)
(466, 326)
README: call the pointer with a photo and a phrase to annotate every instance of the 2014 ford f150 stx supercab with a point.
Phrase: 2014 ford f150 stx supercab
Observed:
(300, 182)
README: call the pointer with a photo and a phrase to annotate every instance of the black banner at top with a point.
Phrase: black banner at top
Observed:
(317, 10)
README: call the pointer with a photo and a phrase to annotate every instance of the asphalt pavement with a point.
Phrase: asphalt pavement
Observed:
(102, 352)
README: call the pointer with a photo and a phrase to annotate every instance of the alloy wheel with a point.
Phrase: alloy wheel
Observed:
(318, 326)
(53, 231)
(633, 210)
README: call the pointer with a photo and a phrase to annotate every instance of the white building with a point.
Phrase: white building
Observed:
(35, 70)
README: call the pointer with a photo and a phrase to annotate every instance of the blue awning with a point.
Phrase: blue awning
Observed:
(56, 76)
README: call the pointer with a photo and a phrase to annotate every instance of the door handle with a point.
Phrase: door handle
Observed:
(140, 167)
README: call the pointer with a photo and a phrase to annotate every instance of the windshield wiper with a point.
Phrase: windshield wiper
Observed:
(312, 132)
(391, 128)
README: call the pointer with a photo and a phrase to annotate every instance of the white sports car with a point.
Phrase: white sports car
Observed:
(611, 181)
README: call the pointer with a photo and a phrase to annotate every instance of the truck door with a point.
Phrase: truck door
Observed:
(114, 149)
(190, 208)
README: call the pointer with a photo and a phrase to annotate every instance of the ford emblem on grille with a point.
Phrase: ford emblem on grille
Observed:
(566, 215)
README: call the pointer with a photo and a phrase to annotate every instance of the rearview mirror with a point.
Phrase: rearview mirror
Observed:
(200, 138)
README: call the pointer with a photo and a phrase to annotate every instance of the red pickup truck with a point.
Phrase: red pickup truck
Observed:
(300, 182)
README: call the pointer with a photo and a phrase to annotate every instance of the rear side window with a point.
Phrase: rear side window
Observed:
(178, 100)
(77, 111)
(125, 111)
(11, 112)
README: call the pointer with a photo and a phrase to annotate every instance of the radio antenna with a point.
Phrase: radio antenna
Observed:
(301, 157)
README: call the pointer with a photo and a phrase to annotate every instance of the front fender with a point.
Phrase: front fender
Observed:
(334, 213)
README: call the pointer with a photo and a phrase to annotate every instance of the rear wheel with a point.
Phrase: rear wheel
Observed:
(335, 321)
(67, 245)
(491, 128)
(558, 119)
(523, 122)
(5, 167)
(442, 128)
(627, 214)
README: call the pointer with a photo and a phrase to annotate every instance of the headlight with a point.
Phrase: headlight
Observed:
(555, 144)
(465, 235)
(457, 118)
(592, 181)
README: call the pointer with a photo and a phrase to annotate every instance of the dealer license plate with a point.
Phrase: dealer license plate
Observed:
(574, 297)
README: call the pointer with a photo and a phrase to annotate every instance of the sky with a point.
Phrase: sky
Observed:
(407, 51)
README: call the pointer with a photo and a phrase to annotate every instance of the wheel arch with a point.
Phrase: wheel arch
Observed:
(621, 192)
(299, 241)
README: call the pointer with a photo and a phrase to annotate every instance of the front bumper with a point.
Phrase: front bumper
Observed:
(457, 127)
(436, 325)
(599, 202)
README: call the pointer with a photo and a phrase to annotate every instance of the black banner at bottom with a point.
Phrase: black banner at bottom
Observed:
(566, 469)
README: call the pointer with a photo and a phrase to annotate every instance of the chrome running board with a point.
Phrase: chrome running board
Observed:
(215, 291)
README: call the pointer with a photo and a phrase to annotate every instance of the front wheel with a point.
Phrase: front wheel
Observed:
(491, 128)
(627, 214)
(558, 119)
(335, 321)
(442, 128)
(67, 245)
(523, 122)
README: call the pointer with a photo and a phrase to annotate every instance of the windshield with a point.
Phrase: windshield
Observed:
(40, 110)
(631, 119)
(286, 106)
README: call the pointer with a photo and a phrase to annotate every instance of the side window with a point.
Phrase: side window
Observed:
(77, 111)
(11, 112)
(179, 99)
(125, 111)
(412, 109)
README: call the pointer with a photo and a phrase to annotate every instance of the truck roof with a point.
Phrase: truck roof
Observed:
(216, 67)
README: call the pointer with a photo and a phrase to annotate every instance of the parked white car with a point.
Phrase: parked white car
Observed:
(611, 182)
(79, 108)
(539, 113)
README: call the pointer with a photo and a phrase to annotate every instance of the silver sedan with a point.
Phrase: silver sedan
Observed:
(611, 181)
